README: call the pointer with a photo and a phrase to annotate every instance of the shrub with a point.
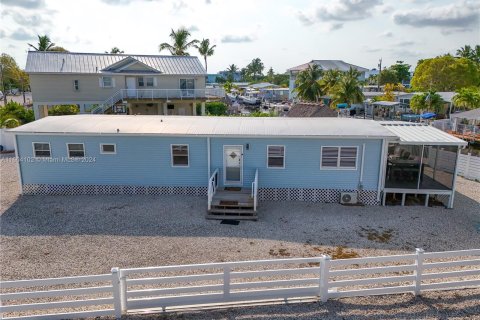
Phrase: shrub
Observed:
(14, 114)
(64, 109)
(214, 108)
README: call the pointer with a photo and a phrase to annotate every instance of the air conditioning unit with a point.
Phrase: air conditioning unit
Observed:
(348, 198)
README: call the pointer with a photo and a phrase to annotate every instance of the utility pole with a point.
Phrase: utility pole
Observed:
(379, 74)
(3, 85)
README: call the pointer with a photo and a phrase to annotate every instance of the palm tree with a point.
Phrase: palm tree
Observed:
(255, 67)
(348, 91)
(44, 44)
(465, 52)
(468, 98)
(180, 43)
(205, 50)
(308, 86)
(115, 50)
(430, 101)
(231, 70)
(330, 79)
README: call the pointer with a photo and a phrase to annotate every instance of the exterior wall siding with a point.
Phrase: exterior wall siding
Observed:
(302, 163)
(58, 88)
(146, 161)
(141, 161)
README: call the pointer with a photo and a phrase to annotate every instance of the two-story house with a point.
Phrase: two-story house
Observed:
(324, 65)
(118, 83)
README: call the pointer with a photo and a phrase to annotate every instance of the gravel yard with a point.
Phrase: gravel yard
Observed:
(52, 236)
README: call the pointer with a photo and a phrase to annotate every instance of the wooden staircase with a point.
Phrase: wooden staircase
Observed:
(230, 204)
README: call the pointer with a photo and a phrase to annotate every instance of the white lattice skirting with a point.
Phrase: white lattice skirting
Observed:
(368, 197)
(55, 189)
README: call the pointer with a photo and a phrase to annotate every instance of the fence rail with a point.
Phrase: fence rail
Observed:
(130, 290)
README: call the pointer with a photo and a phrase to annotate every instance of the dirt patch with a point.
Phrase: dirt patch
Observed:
(279, 252)
(377, 235)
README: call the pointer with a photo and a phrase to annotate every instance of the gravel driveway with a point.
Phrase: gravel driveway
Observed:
(52, 236)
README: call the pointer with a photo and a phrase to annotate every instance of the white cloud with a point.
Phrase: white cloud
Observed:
(236, 39)
(387, 34)
(21, 35)
(339, 11)
(26, 4)
(459, 16)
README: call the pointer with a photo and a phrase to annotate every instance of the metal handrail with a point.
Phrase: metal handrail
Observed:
(212, 187)
(158, 94)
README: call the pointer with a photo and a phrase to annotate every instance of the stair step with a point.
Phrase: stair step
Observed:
(232, 211)
(230, 217)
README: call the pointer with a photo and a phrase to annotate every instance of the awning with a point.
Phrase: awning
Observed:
(386, 103)
(421, 134)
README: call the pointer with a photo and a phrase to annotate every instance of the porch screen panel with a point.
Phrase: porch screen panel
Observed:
(438, 167)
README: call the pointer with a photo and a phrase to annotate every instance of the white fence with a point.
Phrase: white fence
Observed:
(469, 166)
(261, 281)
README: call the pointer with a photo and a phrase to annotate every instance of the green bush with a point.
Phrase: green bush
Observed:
(63, 109)
(214, 108)
(14, 114)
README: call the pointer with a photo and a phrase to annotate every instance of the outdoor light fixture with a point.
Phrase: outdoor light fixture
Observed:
(247, 146)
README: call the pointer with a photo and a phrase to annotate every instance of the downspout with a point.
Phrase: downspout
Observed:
(208, 156)
(361, 168)
(17, 158)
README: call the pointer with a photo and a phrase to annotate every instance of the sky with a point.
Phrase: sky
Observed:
(281, 33)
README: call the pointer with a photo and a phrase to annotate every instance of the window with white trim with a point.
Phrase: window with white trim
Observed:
(180, 155)
(276, 157)
(339, 158)
(108, 148)
(140, 82)
(76, 150)
(149, 81)
(41, 150)
(107, 82)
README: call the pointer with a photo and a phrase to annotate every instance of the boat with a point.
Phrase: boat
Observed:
(251, 98)
(232, 96)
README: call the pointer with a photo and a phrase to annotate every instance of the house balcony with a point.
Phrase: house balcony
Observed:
(169, 94)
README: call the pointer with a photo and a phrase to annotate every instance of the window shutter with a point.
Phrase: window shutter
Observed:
(113, 82)
(100, 82)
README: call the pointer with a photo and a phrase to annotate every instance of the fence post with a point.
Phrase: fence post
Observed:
(418, 270)
(123, 291)
(226, 282)
(117, 303)
(324, 266)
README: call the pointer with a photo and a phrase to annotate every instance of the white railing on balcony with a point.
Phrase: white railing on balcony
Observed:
(212, 187)
(255, 191)
(158, 94)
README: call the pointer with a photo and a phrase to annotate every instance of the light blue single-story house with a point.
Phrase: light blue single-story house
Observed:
(306, 159)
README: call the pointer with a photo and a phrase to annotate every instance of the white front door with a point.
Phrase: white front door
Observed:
(233, 165)
(131, 86)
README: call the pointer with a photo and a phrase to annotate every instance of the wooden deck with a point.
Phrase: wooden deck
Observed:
(233, 205)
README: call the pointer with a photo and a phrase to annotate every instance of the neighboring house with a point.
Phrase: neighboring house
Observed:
(305, 159)
(307, 110)
(325, 65)
(117, 83)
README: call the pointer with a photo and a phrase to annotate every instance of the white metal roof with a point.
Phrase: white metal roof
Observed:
(329, 65)
(91, 63)
(207, 126)
(470, 115)
(386, 103)
(421, 134)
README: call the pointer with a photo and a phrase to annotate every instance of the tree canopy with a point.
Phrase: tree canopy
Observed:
(445, 73)
(469, 53)
(308, 87)
(347, 90)
(14, 114)
(12, 76)
(180, 43)
(115, 50)
(427, 101)
(467, 98)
